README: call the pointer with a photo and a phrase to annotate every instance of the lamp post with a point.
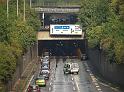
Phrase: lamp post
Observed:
(24, 11)
(7, 8)
(17, 8)
(43, 19)
(30, 4)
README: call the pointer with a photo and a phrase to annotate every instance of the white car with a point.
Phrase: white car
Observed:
(74, 68)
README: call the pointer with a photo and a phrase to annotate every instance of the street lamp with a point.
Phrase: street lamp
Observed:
(30, 4)
(24, 11)
(17, 8)
(7, 8)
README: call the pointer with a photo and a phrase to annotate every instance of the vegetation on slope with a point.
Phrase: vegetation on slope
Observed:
(15, 36)
(103, 21)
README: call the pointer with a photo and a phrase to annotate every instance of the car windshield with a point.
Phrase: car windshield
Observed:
(44, 72)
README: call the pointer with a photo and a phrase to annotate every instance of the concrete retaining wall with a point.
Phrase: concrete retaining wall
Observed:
(110, 71)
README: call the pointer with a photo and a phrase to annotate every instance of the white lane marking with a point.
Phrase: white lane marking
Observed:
(99, 89)
(71, 75)
(97, 86)
(51, 78)
(49, 88)
(76, 79)
(87, 70)
(74, 88)
(94, 80)
(91, 74)
(96, 83)
(72, 83)
(72, 78)
(50, 83)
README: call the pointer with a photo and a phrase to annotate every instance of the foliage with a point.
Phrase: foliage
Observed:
(103, 21)
(7, 62)
(15, 36)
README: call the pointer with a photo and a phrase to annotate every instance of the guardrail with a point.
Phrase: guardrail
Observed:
(57, 10)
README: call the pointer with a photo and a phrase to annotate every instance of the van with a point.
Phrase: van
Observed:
(74, 68)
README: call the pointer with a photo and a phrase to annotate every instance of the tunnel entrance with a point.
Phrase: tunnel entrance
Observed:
(62, 47)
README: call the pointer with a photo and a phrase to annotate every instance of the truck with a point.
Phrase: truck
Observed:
(71, 68)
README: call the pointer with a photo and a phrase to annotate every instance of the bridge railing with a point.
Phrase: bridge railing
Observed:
(55, 5)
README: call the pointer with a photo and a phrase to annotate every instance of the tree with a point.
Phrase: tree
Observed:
(103, 21)
(7, 62)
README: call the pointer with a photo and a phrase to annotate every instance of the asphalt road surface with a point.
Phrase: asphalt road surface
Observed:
(84, 81)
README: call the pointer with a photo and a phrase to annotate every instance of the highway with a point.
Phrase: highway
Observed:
(84, 81)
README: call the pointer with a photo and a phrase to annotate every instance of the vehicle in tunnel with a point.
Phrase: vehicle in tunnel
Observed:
(84, 57)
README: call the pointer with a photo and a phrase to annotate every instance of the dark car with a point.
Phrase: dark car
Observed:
(84, 57)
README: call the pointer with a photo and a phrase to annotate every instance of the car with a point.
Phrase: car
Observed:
(84, 57)
(45, 74)
(40, 81)
(45, 67)
(74, 68)
(33, 88)
(67, 68)
(43, 63)
(46, 57)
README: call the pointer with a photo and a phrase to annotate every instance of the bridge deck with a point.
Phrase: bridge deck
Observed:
(57, 10)
(45, 35)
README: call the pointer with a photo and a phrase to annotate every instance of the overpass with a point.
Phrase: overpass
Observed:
(60, 44)
(63, 43)
(58, 9)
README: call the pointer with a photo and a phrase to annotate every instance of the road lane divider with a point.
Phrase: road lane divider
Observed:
(76, 80)
(49, 88)
(72, 78)
(74, 88)
(72, 83)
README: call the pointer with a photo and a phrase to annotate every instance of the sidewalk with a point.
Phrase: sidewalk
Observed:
(25, 77)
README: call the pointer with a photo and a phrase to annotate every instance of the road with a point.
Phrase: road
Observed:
(84, 81)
